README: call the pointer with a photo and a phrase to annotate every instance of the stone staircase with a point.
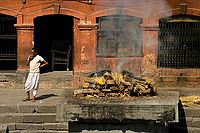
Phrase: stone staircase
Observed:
(189, 121)
(189, 117)
(30, 119)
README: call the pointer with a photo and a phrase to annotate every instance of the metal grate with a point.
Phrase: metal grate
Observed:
(119, 35)
(8, 43)
(179, 43)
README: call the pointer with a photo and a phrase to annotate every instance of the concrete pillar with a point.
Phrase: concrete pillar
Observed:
(25, 34)
(150, 51)
(84, 51)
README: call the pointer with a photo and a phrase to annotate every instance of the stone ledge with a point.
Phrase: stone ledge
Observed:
(24, 26)
(38, 131)
(28, 118)
(163, 108)
(6, 109)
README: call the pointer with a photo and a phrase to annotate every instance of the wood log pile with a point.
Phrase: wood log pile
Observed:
(113, 84)
(190, 101)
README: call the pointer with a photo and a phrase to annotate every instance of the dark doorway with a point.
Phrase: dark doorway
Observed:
(53, 39)
(8, 43)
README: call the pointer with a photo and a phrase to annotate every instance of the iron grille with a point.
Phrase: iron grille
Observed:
(179, 43)
(119, 35)
(8, 43)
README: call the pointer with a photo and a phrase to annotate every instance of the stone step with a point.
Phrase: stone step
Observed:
(186, 125)
(5, 109)
(5, 77)
(56, 78)
(195, 123)
(57, 73)
(28, 118)
(3, 128)
(179, 81)
(191, 122)
(193, 130)
(55, 85)
(192, 111)
(35, 126)
(38, 131)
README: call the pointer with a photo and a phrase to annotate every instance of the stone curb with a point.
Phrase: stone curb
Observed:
(29, 118)
(38, 131)
(6, 109)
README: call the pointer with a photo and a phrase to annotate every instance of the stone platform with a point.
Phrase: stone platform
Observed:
(135, 114)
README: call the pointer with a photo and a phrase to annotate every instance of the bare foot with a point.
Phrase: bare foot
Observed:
(26, 99)
(33, 100)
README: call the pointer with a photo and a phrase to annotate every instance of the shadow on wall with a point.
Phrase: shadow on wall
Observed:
(180, 127)
(114, 126)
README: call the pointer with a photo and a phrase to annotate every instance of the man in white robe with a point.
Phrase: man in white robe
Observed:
(32, 82)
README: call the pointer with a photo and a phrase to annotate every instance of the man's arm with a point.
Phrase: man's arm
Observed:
(28, 60)
(44, 63)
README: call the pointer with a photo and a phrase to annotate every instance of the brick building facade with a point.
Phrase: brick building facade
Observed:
(154, 39)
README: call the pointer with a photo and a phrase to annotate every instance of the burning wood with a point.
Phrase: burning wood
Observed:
(113, 84)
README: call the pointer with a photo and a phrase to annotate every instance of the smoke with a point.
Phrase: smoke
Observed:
(121, 34)
(145, 6)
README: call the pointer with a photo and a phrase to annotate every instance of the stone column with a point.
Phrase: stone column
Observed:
(150, 51)
(84, 51)
(25, 34)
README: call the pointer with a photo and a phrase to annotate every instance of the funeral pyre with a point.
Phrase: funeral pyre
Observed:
(112, 84)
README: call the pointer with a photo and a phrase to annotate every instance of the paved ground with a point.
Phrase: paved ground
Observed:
(51, 96)
(15, 96)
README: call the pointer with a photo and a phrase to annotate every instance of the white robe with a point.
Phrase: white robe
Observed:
(32, 82)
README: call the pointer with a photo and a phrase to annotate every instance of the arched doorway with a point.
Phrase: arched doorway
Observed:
(53, 39)
(8, 43)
